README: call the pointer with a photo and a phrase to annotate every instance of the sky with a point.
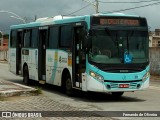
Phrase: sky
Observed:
(28, 9)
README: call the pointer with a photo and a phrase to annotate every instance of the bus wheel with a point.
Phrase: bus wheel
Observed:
(117, 94)
(69, 89)
(26, 75)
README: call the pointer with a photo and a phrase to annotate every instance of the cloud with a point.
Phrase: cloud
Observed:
(43, 8)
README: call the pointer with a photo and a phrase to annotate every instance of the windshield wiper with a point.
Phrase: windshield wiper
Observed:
(116, 42)
(129, 35)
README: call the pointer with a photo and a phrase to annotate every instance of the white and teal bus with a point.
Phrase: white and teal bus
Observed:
(99, 53)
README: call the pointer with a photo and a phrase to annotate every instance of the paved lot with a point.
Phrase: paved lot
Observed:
(40, 103)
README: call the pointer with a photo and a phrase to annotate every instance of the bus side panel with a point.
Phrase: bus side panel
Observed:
(56, 61)
(50, 56)
(53, 71)
(27, 58)
(63, 63)
(12, 60)
(34, 64)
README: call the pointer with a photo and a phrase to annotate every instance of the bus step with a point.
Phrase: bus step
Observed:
(42, 81)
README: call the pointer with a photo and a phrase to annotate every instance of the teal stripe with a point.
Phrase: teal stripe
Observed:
(54, 67)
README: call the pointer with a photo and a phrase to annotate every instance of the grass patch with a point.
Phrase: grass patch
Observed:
(39, 90)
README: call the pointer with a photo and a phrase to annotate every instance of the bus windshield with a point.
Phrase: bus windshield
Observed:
(110, 46)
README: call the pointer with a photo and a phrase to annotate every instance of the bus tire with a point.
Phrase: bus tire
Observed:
(26, 75)
(68, 86)
(117, 94)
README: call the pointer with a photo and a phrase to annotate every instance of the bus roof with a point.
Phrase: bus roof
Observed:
(66, 19)
(118, 14)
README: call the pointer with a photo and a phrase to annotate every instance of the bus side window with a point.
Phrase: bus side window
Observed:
(53, 37)
(34, 38)
(13, 39)
(66, 36)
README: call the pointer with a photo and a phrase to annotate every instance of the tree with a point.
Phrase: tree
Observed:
(6, 36)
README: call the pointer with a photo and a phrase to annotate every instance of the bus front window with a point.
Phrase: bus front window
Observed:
(109, 47)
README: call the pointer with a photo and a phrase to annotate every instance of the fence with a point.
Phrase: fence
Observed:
(4, 55)
(154, 55)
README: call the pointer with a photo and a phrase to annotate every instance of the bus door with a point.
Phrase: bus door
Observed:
(18, 51)
(43, 36)
(78, 56)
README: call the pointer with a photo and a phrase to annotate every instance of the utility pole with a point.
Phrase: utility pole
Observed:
(35, 17)
(95, 5)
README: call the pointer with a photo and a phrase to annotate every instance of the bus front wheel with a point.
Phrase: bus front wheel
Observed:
(69, 89)
(117, 94)
(26, 75)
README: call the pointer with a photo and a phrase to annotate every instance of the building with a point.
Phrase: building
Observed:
(154, 52)
(154, 38)
(150, 38)
(4, 50)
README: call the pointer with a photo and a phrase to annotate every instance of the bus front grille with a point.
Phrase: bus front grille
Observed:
(132, 85)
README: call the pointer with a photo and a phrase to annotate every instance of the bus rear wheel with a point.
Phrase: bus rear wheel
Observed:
(69, 89)
(26, 75)
(117, 94)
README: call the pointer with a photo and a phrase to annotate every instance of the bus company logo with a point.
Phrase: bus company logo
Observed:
(62, 60)
(124, 77)
(136, 77)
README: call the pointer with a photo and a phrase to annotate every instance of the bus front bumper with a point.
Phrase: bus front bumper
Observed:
(97, 86)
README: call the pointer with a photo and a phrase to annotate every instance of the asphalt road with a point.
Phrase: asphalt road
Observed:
(147, 100)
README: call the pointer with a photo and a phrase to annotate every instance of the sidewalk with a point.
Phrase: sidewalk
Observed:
(8, 89)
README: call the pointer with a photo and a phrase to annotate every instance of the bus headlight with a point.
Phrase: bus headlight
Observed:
(145, 76)
(96, 76)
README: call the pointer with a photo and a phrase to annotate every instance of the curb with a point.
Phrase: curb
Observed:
(18, 93)
(26, 91)
(2, 61)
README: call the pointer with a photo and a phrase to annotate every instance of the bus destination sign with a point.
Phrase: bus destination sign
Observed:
(126, 22)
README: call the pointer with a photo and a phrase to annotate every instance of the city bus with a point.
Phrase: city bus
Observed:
(105, 53)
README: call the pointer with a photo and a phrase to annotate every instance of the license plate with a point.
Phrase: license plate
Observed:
(123, 85)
